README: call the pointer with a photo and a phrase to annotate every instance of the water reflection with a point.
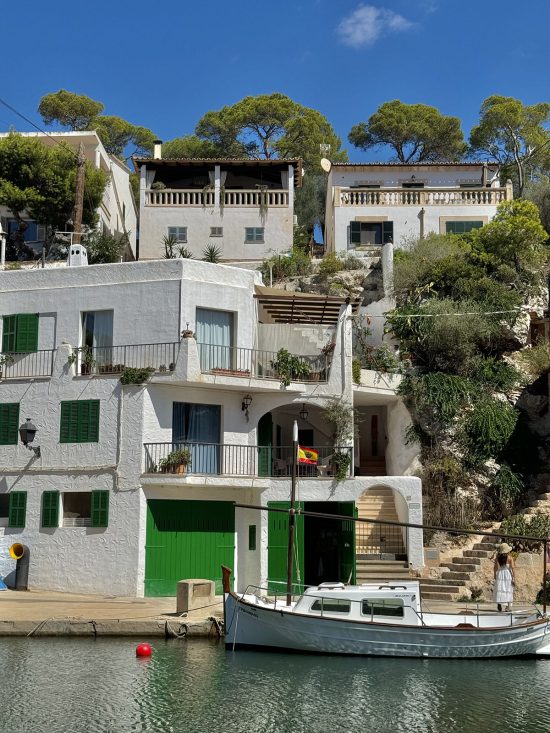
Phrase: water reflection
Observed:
(79, 685)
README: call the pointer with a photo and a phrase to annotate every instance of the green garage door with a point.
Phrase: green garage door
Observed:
(277, 548)
(187, 539)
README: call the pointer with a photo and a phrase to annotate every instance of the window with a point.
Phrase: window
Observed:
(97, 334)
(216, 231)
(9, 423)
(198, 428)
(331, 605)
(366, 232)
(383, 607)
(412, 184)
(251, 536)
(50, 509)
(215, 331)
(79, 421)
(254, 234)
(179, 234)
(461, 227)
(20, 333)
(85, 508)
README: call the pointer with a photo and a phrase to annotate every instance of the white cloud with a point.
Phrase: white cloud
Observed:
(367, 23)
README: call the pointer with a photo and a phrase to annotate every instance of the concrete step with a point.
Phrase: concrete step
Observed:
(489, 547)
(453, 575)
(440, 581)
(459, 567)
(477, 553)
(459, 560)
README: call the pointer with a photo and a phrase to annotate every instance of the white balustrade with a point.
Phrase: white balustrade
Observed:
(422, 196)
(257, 198)
(179, 197)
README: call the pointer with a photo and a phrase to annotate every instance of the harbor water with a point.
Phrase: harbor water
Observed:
(69, 686)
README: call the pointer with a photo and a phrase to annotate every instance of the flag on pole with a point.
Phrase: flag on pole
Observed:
(307, 455)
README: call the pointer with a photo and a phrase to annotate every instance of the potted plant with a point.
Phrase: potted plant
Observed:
(341, 461)
(290, 367)
(87, 362)
(5, 360)
(176, 461)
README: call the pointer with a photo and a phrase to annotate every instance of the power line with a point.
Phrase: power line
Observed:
(442, 315)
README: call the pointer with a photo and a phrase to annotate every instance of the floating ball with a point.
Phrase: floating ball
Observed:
(144, 650)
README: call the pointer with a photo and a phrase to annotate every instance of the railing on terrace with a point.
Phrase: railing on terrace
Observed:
(179, 197)
(379, 540)
(270, 198)
(421, 196)
(114, 359)
(27, 364)
(219, 459)
(234, 361)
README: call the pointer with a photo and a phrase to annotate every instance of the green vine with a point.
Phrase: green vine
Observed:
(131, 375)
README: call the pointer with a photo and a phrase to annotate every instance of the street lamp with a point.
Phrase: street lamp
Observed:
(304, 412)
(27, 431)
(2, 246)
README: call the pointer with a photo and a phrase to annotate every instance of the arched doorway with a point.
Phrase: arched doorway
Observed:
(379, 541)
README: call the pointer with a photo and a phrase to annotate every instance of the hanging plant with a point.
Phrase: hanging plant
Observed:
(289, 367)
(222, 199)
(205, 191)
(136, 376)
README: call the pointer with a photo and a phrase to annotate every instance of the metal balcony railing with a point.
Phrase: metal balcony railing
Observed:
(234, 361)
(114, 359)
(221, 459)
(382, 541)
(27, 364)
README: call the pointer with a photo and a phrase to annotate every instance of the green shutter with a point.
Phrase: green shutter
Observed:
(277, 548)
(355, 232)
(387, 232)
(26, 336)
(9, 423)
(100, 508)
(18, 509)
(79, 422)
(8, 334)
(50, 509)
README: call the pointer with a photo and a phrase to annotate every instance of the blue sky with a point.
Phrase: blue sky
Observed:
(163, 65)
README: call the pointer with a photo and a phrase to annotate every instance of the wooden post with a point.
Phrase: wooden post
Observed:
(79, 195)
(291, 516)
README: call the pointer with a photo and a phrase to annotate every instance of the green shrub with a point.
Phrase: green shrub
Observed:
(297, 263)
(330, 265)
(356, 371)
(380, 358)
(538, 525)
(130, 375)
(437, 396)
(487, 429)
(211, 253)
(536, 360)
(502, 496)
(492, 373)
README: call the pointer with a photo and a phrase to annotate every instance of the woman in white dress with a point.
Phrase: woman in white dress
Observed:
(504, 572)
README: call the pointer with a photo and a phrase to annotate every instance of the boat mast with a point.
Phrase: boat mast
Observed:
(291, 515)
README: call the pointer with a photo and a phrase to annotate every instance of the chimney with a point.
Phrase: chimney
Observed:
(78, 256)
(157, 149)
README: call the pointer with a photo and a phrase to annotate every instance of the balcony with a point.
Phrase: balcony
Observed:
(232, 361)
(422, 196)
(221, 459)
(243, 198)
(114, 359)
(28, 364)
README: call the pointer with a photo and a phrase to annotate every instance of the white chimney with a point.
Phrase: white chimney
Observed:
(157, 149)
(78, 256)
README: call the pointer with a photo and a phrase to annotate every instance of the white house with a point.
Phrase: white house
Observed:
(376, 203)
(244, 208)
(117, 213)
(102, 505)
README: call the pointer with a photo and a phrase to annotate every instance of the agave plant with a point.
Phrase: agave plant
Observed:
(211, 253)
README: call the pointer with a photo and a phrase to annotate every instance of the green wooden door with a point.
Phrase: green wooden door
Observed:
(277, 548)
(187, 539)
(346, 542)
(265, 441)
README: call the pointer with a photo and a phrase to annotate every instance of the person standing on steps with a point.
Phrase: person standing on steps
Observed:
(504, 573)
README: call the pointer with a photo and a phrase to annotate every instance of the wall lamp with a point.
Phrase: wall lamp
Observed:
(245, 404)
(27, 431)
(304, 412)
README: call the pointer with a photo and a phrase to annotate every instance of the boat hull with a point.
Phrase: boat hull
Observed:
(249, 625)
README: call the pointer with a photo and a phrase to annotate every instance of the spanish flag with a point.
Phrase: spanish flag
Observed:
(307, 455)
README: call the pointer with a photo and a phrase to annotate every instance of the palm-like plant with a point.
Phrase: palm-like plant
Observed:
(211, 253)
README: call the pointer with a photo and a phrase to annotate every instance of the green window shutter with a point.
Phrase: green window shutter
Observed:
(461, 227)
(26, 336)
(18, 509)
(8, 333)
(355, 232)
(387, 232)
(79, 421)
(9, 423)
(100, 508)
(50, 509)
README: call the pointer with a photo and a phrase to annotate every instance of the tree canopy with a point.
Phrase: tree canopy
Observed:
(78, 112)
(415, 132)
(512, 133)
(38, 181)
(270, 126)
(191, 146)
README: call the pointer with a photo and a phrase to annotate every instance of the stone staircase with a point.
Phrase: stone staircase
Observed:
(541, 504)
(458, 575)
(375, 541)
(373, 466)
(381, 571)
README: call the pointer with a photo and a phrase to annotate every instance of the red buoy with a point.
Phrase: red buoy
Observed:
(144, 650)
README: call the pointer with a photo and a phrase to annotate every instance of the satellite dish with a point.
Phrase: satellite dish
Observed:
(326, 165)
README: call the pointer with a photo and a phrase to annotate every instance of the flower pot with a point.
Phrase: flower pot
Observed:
(85, 368)
(181, 469)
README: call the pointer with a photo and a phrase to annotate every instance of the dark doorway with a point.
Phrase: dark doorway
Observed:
(329, 544)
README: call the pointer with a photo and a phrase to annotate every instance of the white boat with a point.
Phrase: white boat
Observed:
(377, 620)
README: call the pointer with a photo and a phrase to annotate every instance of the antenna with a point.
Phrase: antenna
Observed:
(326, 165)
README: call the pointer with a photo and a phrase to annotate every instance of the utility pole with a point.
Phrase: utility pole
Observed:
(292, 516)
(79, 195)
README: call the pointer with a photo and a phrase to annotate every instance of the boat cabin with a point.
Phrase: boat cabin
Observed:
(398, 603)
